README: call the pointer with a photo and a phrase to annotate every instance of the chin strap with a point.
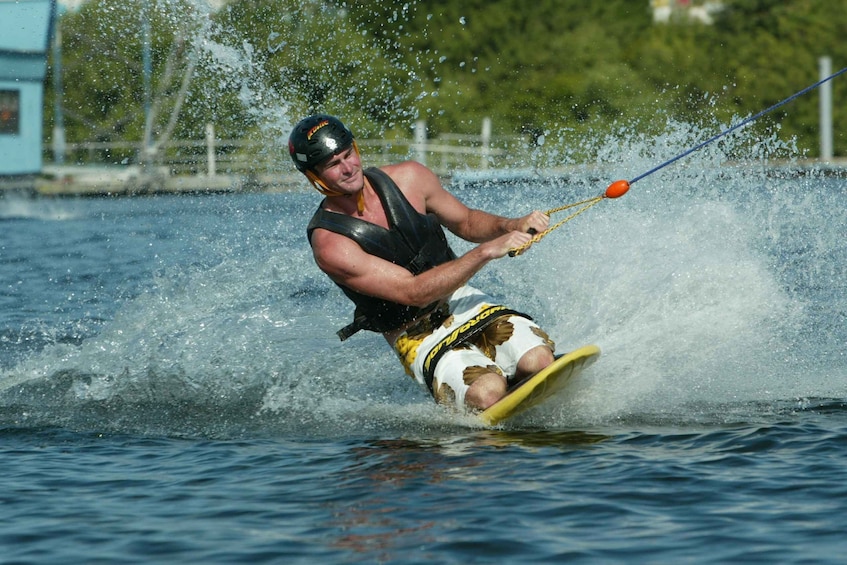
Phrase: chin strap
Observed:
(321, 186)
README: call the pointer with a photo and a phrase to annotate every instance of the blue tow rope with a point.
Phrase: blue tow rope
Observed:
(620, 187)
(743, 123)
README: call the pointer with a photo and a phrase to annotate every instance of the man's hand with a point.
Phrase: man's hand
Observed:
(501, 246)
(538, 221)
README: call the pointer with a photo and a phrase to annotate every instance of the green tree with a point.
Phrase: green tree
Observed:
(566, 67)
(103, 71)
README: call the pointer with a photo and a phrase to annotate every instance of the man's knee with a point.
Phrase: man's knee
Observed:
(485, 391)
(534, 360)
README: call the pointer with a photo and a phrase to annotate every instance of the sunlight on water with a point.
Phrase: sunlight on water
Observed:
(14, 206)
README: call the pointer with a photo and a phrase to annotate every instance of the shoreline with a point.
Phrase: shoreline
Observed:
(104, 181)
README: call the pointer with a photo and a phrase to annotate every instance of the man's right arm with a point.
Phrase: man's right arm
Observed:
(347, 264)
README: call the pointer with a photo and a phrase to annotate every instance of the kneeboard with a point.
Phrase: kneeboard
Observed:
(539, 387)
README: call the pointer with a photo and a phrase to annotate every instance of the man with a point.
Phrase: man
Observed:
(378, 235)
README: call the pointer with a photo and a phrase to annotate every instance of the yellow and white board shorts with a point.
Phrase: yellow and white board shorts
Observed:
(463, 339)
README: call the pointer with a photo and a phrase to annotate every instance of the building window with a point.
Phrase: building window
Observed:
(10, 103)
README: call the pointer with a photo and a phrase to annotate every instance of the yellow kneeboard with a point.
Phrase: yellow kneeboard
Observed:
(540, 386)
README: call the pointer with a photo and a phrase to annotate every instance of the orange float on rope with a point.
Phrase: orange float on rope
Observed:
(617, 189)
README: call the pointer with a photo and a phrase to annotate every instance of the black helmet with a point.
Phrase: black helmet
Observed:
(316, 139)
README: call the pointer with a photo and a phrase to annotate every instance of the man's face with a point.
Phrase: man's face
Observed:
(342, 172)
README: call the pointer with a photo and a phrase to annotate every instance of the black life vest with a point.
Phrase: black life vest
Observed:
(413, 240)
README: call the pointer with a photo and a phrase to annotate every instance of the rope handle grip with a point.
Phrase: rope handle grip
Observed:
(538, 236)
(614, 190)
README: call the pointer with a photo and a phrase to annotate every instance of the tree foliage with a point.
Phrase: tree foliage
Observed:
(103, 69)
(256, 66)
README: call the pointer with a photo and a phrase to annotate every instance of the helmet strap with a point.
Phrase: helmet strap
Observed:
(319, 184)
(360, 201)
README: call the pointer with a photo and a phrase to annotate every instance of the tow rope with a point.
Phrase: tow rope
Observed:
(620, 187)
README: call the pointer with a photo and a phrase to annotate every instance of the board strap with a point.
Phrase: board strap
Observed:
(463, 333)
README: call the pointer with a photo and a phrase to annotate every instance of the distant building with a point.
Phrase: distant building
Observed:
(665, 11)
(25, 29)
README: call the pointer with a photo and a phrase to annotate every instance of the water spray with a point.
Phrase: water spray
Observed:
(620, 187)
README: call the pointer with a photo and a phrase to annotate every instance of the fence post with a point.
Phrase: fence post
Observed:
(486, 142)
(825, 70)
(211, 165)
(420, 141)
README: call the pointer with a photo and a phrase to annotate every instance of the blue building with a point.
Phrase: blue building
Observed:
(25, 30)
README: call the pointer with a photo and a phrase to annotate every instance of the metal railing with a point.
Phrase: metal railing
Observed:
(211, 157)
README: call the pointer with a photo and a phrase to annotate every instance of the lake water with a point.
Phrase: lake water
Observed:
(172, 390)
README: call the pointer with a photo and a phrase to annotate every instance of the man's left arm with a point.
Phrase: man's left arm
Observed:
(482, 226)
(471, 224)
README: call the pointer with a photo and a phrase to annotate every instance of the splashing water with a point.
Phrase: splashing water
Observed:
(714, 287)
(718, 286)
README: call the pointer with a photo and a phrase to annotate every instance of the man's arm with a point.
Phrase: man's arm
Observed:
(347, 264)
(424, 190)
